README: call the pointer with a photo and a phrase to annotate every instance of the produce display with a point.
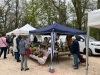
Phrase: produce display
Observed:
(36, 51)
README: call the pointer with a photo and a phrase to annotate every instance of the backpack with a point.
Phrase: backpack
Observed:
(9, 39)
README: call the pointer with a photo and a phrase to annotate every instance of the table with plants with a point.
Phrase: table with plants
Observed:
(38, 54)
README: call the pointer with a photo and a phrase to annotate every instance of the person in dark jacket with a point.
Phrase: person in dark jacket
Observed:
(35, 40)
(17, 54)
(74, 49)
(10, 41)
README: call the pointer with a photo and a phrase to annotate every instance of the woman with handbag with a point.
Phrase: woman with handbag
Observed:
(3, 45)
(23, 46)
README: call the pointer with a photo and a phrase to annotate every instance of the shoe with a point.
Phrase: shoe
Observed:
(5, 57)
(18, 60)
(22, 69)
(75, 67)
(26, 69)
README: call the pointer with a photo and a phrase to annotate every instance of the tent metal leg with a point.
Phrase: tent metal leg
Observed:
(87, 47)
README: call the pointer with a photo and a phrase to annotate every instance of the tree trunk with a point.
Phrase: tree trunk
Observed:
(17, 2)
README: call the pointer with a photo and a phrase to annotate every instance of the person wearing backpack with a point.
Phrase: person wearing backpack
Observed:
(23, 45)
(10, 41)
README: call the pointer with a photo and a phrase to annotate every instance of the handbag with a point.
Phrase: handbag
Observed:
(27, 52)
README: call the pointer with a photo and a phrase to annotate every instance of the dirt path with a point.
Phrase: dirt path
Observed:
(10, 67)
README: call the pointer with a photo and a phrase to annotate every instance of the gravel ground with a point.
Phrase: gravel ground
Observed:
(10, 67)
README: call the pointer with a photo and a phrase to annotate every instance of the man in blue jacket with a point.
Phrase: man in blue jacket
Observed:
(75, 51)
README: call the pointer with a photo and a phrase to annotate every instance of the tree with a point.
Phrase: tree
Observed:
(61, 9)
(39, 13)
(4, 13)
(12, 14)
(80, 7)
(98, 4)
(17, 4)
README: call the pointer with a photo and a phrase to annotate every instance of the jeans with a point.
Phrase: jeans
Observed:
(3, 49)
(76, 60)
(17, 55)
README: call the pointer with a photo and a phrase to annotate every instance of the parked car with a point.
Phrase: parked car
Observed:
(94, 45)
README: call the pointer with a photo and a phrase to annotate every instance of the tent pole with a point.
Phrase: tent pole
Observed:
(51, 69)
(87, 47)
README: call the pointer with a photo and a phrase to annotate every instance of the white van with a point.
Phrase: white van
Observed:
(94, 45)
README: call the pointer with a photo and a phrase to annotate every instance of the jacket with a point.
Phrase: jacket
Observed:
(17, 41)
(10, 40)
(23, 45)
(3, 42)
(15, 45)
(74, 49)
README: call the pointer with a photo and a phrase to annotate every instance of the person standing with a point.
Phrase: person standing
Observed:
(18, 39)
(74, 49)
(23, 45)
(35, 40)
(10, 41)
(3, 45)
(69, 40)
(12, 48)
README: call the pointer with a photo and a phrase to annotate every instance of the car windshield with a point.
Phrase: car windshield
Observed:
(92, 39)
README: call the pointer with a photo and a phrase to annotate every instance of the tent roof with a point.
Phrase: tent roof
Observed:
(22, 31)
(18, 32)
(9, 33)
(27, 27)
(58, 28)
(94, 18)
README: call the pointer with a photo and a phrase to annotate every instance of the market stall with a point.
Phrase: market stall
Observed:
(93, 21)
(22, 31)
(54, 29)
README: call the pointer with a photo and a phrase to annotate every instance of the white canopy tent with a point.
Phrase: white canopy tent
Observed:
(9, 33)
(27, 27)
(23, 30)
(93, 21)
(18, 32)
